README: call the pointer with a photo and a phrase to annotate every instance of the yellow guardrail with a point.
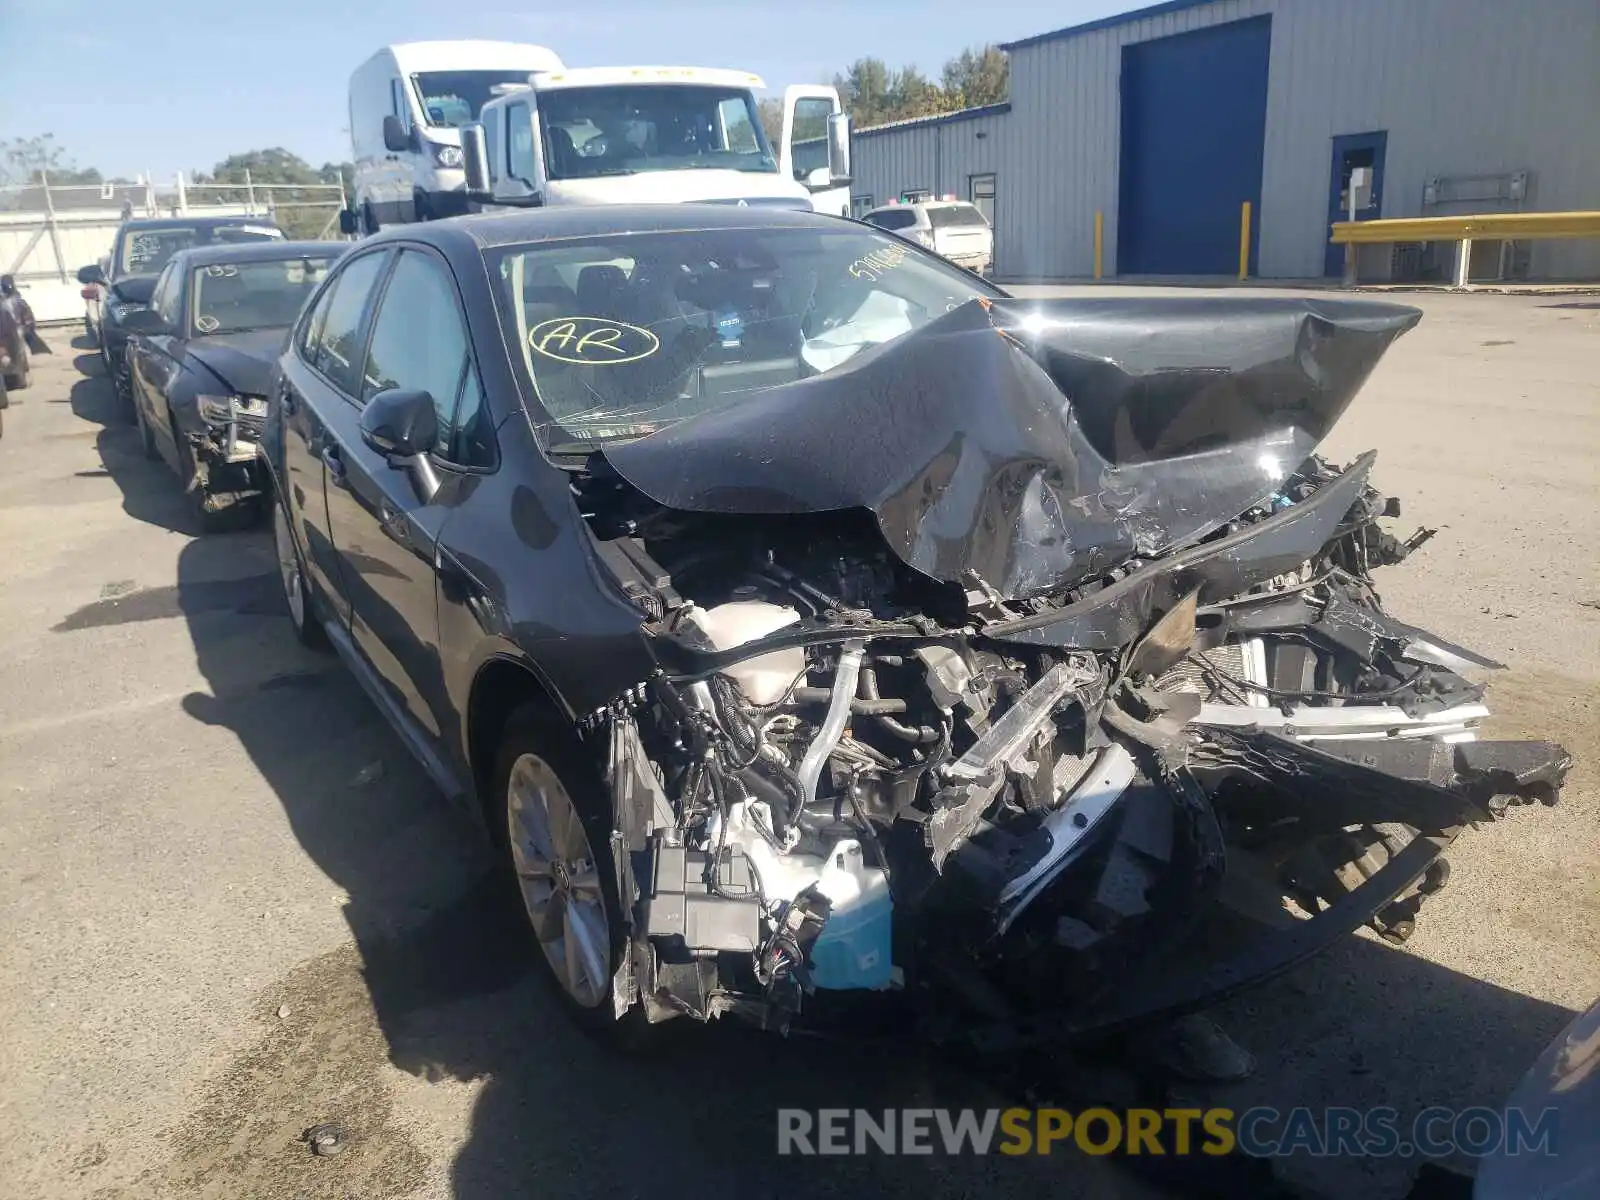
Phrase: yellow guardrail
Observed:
(1510, 227)
(1464, 230)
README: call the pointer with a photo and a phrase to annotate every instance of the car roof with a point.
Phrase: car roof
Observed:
(491, 230)
(264, 251)
(197, 222)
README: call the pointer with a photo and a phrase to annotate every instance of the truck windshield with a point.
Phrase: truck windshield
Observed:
(627, 128)
(451, 99)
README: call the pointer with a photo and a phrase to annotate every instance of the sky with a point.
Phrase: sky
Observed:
(159, 86)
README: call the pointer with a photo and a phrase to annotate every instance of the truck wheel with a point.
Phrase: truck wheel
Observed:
(556, 842)
(369, 220)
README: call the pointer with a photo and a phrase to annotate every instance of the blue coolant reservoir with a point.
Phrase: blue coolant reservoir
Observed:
(854, 948)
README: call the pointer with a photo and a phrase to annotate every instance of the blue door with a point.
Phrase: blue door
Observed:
(1352, 150)
(1194, 123)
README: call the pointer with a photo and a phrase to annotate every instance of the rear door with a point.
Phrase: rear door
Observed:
(320, 379)
(383, 519)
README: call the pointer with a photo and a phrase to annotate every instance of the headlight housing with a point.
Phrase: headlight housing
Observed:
(447, 156)
(224, 410)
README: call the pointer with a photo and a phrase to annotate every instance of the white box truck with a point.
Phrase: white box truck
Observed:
(408, 103)
(596, 135)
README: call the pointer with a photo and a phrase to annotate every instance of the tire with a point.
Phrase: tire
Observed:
(23, 376)
(561, 866)
(298, 593)
(369, 220)
(147, 439)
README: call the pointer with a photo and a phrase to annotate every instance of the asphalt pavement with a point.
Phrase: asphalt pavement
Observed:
(231, 908)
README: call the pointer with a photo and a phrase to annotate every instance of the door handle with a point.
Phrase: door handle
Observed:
(334, 458)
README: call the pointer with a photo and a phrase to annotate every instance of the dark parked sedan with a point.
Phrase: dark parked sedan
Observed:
(806, 615)
(202, 357)
(142, 248)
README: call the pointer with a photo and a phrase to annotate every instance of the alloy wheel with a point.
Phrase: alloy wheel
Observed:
(559, 880)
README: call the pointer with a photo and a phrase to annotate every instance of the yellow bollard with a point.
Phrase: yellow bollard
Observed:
(1244, 240)
(1099, 241)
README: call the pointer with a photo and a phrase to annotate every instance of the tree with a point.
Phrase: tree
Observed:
(864, 90)
(977, 77)
(298, 195)
(873, 94)
(770, 110)
(27, 160)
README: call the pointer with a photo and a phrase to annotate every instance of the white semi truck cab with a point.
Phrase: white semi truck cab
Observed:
(655, 135)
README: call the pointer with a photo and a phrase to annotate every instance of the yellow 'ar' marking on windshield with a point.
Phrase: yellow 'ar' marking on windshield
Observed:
(592, 341)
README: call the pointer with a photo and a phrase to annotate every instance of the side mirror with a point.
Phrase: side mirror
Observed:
(395, 138)
(839, 150)
(8, 285)
(144, 320)
(93, 273)
(475, 158)
(347, 222)
(400, 423)
(818, 179)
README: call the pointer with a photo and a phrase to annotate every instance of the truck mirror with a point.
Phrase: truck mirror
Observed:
(839, 149)
(347, 222)
(475, 157)
(394, 135)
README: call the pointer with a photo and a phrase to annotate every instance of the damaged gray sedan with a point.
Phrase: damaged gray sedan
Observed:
(808, 617)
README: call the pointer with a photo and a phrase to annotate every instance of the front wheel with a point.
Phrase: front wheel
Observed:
(558, 848)
(147, 439)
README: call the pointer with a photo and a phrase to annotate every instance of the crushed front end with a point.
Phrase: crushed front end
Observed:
(1017, 753)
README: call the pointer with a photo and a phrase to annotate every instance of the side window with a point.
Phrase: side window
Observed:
(519, 143)
(419, 340)
(311, 327)
(337, 349)
(164, 298)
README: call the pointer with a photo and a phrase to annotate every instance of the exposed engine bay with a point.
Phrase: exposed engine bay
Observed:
(1023, 749)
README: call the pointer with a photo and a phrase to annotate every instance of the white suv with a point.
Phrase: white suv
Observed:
(951, 228)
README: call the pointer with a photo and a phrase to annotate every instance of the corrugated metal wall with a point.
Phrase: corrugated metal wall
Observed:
(1063, 135)
(1462, 86)
(938, 156)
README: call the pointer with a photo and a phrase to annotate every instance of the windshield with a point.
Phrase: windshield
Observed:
(146, 251)
(451, 99)
(627, 128)
(236, 297)
(622, 336)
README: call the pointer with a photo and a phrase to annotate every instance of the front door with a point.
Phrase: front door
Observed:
(1350, 151)
(382, 517)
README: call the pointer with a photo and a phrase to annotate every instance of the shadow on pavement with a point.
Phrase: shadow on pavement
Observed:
(444, 989)
(150, 490)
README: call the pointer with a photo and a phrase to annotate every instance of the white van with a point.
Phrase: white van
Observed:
(408, 103)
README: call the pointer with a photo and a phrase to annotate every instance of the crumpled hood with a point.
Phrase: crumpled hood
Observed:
(243, 361)
(1031, 445)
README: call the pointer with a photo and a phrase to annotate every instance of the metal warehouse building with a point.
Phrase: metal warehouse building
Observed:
(1167, 119)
